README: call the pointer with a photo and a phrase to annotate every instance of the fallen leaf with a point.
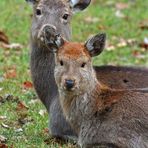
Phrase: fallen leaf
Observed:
(27, 85)
(12, 46)
(121, 6)
(42, 112)
(131, 42)
(46, 130)
(1, 89)
(19, 130)
(10, 74)
(144, 44)
(101, 27)
(122, 43)
(1, 99)
(4, 38)
(136, 53)
(119, 14)
(110, 48)
(24, 120)
(4, 42)
(21, 106)
(3, 117)
(2, 145)
(5, 125)
(144, 24)
(2, 139)
(91, 19)
(34, 101)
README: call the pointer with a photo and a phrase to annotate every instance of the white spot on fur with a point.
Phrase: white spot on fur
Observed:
(74, 2)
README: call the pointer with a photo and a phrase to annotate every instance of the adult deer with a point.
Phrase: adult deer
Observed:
(58, 13)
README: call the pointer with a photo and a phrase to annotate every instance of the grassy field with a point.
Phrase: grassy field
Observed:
(23, 121)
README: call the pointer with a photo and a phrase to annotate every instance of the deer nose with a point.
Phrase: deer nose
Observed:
(69, 84)
(48, 28)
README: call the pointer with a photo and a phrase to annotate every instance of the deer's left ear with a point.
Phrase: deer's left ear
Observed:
(79, 5)
(96, 44)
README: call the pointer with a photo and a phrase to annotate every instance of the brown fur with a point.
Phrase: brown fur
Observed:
(74, 51)
(99, 114)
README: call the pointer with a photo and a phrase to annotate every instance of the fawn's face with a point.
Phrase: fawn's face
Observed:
(73, 70)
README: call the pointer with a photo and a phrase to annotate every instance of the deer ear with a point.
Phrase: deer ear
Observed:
(79, 5)
(32, 1)
(96, 44)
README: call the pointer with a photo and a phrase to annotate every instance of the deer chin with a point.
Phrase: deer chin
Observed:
(75, 91)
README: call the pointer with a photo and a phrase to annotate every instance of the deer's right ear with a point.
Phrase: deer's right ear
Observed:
(96, 44)
(32, 1)
(79, 5)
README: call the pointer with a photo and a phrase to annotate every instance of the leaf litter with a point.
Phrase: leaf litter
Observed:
(4, 42)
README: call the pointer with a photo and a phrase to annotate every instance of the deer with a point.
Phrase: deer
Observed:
(100, 115)
(58, 13)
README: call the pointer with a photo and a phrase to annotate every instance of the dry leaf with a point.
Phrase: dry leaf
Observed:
(144, 44)
(10, 74)
(21, 106)
(27, 85)
(5, 125)
(91, 19)
(19, 130)
(2, 145)
(110, 48)
(101, 27)
(3, 117)
(2, 139)
(119, 14)
(3, 38)
(121, 6)
(4, 42)
(46, 130)
(12, 46)
(42, 112)
(34, 101)
(144, 24)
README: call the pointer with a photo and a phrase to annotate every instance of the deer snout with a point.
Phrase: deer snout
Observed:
(69, 84)
(47, 33)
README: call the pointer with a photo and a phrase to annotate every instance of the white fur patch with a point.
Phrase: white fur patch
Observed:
(74, 2)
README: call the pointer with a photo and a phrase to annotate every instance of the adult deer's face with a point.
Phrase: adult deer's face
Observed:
(57, 13)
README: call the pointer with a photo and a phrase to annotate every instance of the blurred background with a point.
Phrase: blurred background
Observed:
(23, 119)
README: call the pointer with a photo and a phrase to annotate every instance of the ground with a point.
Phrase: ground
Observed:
(23, 120)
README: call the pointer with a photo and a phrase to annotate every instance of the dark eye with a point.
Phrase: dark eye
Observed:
(38, 12)
(83, 65)
(65, 16)
(61, 63)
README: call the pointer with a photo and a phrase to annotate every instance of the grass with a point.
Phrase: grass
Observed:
(15, 21)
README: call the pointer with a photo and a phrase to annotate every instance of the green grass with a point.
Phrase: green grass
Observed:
(15, 21)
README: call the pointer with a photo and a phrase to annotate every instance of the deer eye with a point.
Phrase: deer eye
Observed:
(61, 63)
(65, 16)
(83, 65)
(38, 12)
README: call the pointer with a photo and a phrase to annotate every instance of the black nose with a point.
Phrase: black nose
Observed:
(69, 84)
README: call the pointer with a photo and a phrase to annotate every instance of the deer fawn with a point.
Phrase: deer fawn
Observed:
(100, 116)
